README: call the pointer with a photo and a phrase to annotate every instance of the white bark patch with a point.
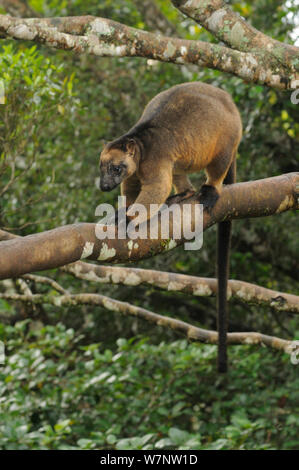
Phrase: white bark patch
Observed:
(136, 246)
(57, 301)
(262, 76)
(22, 31)
(100, 27)
(130, 244)
(183, 50)
(132, 280)
(87, 250)
(251, 340)
(229, 62)
(116, 277)
(191, 4)
(169, 51)
(215, 19)
(237, 33)
(91, 276)
(294, 83)
(98, 50)
(76, 268)
(289, 348)
(202, 290)
(275, 79)
(110, 305)
(175, 286)
(285, 204)
(192, 332)
(246, 71)
(171, 244)
(243, 294)
(120, 50)
(107, 50)
(106, 252)
(251, 60)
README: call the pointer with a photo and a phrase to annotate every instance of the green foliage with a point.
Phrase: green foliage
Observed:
(57, 392)
(37, 96)
(61, 390)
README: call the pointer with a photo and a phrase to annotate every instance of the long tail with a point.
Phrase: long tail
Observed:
(223, 255)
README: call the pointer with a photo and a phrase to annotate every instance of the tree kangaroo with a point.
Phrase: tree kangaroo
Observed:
(188, 128)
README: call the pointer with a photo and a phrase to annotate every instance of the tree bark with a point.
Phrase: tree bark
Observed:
(174, 282)
(193, 333)
(107, 38)
(193, 285)
(65, 245)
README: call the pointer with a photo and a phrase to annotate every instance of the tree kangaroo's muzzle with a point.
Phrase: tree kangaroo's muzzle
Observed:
(109, 180)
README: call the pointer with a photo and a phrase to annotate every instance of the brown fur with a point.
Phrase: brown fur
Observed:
(188, 128)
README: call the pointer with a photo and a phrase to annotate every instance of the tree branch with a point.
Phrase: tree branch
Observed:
(65, 245)
(47, 281)
(193, 333)
(197, 286)
(219, 19)
(107, 38)
(193, 285)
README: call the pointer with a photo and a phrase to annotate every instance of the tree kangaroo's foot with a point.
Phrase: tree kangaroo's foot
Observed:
(208, 196)
(180, 196)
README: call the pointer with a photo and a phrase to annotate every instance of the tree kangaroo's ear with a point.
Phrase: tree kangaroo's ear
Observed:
(130, 147)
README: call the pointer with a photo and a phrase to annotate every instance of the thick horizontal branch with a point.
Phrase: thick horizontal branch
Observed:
(104, 37)
(193, 285)
(193, 333)
(65, 245)
(198, 286)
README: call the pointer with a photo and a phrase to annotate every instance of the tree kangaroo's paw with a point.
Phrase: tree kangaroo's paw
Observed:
(208, 196)
(180, 196)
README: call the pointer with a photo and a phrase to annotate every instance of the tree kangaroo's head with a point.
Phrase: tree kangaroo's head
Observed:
(118, 161)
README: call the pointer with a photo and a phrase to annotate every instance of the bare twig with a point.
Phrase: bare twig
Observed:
(47, 281)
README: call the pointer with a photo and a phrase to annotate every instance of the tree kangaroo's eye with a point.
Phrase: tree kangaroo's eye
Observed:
(116, 169)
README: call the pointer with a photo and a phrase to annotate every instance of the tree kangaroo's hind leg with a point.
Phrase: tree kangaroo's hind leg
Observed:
(216, 173)
(183, 188)
(182, 184)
